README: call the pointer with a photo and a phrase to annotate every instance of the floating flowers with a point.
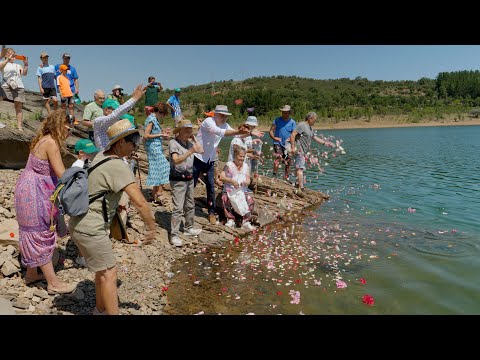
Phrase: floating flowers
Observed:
(368, 299)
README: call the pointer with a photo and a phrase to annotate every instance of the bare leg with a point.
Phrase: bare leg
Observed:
(300, 178)
(32, 275)
(70, 108)
(107, 279)
(46, 103)
(55, 103)
(51, 277)
(19, 113)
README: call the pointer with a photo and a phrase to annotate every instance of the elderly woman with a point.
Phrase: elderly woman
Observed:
(90, 232)
(158, 166)
(32, 202)
(236, 174)
(181, 180)
(13, 88)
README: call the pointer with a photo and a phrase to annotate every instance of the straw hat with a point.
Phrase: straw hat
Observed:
(182, 124)
(286, 108)
(118, 131)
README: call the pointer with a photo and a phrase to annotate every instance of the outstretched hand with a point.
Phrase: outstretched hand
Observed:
(139, 91)
(258, 133)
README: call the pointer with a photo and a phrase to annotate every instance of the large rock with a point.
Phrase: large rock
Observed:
(14, 144)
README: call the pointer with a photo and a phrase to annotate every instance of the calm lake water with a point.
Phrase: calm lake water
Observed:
(363, 241)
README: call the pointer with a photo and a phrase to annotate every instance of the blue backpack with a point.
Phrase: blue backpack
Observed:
(71, 194)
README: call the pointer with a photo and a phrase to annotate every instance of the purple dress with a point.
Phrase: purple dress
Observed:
(33, 207)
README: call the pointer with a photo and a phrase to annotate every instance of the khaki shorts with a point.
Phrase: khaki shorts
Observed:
(97, 250)
(13, 95)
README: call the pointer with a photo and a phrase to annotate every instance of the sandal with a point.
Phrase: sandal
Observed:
(66, 289)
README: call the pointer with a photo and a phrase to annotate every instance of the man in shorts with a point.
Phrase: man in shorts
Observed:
(280, 132)
(46, 83)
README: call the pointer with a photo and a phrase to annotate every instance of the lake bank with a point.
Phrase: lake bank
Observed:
(385, 122)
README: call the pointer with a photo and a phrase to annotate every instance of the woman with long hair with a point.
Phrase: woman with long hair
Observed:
(158, 166)
(32, 201)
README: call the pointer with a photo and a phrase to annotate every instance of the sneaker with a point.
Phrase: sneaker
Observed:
(230, 223)
(248, 226)
(212, 219)
(176, 241)
(80, 260)
(192, 232)
(97, 312)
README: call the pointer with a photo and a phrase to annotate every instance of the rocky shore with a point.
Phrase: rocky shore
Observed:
(144, 272)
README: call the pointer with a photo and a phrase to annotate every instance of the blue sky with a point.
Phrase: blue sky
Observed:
(103, 66)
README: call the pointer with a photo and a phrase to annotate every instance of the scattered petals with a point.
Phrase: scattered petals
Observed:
(368, 299)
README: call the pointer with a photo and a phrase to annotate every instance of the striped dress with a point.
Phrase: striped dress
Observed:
(158, 166)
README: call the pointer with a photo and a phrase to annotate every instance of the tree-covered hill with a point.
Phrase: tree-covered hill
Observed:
(336, 99)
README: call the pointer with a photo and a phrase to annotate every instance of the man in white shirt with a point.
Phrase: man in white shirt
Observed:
(211, 131)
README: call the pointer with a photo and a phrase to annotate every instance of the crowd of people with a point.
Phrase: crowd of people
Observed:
(114, 136)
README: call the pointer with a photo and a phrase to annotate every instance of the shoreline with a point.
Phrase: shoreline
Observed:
(385, 123)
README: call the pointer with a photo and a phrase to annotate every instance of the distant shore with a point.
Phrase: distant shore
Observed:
(384, 123)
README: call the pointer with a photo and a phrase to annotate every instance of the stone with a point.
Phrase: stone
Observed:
(21, 304)
(6, 307)
(41, 293)
(9, 268)
(139, 257)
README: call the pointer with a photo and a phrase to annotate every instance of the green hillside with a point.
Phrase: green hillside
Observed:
(335, 99)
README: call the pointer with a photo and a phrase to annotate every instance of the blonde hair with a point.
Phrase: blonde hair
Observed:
(8, 51)
(53, 125)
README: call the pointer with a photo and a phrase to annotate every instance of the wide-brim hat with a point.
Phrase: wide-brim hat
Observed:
(182, 124)
(118, 131)
(252, 121)
(286, 108)
(222, 109)
(117, 87)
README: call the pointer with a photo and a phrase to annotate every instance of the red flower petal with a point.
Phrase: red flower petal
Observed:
(363, 281)
(279, 293)
(165, 288)
(368, 299)
(12, 235)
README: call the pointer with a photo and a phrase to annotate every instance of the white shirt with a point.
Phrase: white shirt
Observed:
(209, 136)
(12, 70)
(102, 123)
(79, 163)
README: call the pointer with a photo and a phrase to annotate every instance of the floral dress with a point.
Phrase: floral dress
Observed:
(158, 166)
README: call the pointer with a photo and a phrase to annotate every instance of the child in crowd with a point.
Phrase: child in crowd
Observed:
(63, 82)
(86, 151)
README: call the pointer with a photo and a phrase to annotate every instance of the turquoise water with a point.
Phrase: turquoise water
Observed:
(422, 261)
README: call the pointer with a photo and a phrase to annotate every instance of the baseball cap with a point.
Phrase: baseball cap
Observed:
(178, 89)
(110, 103)
(86, 146)
(66, 55)
(43, 54)
(63, 67)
